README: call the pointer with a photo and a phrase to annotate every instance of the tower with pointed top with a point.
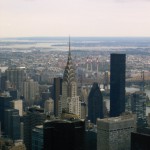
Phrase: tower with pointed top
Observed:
(69, 100)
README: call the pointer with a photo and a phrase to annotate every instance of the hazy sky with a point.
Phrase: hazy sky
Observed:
(74, 17)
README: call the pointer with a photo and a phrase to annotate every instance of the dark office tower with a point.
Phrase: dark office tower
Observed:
(64, 135)
(140, 140)
(3, 80)
(138, 106)
(4, 104)
(117, 84)
(14, 94)
(95, 104)
(12, 124)
(34, 116)
(91, 139)
(57, 93)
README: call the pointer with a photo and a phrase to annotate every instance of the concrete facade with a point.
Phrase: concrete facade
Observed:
(115, 133)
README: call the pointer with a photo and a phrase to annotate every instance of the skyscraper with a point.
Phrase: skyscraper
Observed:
(37, 138)
(4, 104)
(17, 104)
(140, 140)
(138, 106)
(16, 75)
(57, 93)
(49, 106)
(12, 124)
(34, 116)
(31, 92)
(115, 133)
(69, 99)
(117, 84)
(64, 134)
(95, 104)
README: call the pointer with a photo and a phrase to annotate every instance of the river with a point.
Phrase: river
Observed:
(133, 89)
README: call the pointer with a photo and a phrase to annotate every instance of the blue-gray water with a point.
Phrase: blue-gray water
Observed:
(132, 89)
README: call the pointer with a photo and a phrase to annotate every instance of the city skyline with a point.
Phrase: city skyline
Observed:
(25, 18)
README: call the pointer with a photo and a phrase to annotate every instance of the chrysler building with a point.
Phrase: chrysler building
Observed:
(69, 99)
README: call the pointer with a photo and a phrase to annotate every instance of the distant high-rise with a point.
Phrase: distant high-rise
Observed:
(69, 99)
(95, 104)
(34, 116)
(64, 135)
(16, 75)
(3, 81)
(12, 124)
(17, 104)
(83, 110)
(57, 93)
(37, 138)
(14, 94)
(138, 106)
(115, 133)
(106, 80)
(5, 99)
(117, 84)
(31, 92)
(49, 106)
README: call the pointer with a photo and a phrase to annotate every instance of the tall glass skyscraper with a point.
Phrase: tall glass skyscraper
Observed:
(95, 104)
(57, 93)
(117, 84)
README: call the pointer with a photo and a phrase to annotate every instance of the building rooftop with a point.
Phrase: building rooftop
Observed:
(121, 118)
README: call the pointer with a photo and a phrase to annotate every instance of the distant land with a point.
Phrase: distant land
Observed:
(134, 44)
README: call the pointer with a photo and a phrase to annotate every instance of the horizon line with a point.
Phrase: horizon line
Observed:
(75, 37)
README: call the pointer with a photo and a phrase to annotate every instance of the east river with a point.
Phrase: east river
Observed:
(133, 89)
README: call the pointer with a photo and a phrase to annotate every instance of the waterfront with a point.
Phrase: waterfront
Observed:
(131, 90)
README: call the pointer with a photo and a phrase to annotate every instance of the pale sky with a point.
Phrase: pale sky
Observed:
(24, 18)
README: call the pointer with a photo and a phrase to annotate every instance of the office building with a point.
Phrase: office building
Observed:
(117, 84)
(17, 104)
(83, 110)
(16, 76)
(90, 140)
(64, 134)
(12, 124)
(49, 106)
(148, 119)
(90, 136)
(33, 117)
(138, 106)
(45, 95)
(95, 103)
(69, 99)
(13, 93)
(3, 81)
(31, 92)
(5, 99)
(140, 140)
(106, 80)
(57, 93)
(37, 138)
(115, 133)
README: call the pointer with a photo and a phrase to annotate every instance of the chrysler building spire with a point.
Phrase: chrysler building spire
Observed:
(69, 73)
